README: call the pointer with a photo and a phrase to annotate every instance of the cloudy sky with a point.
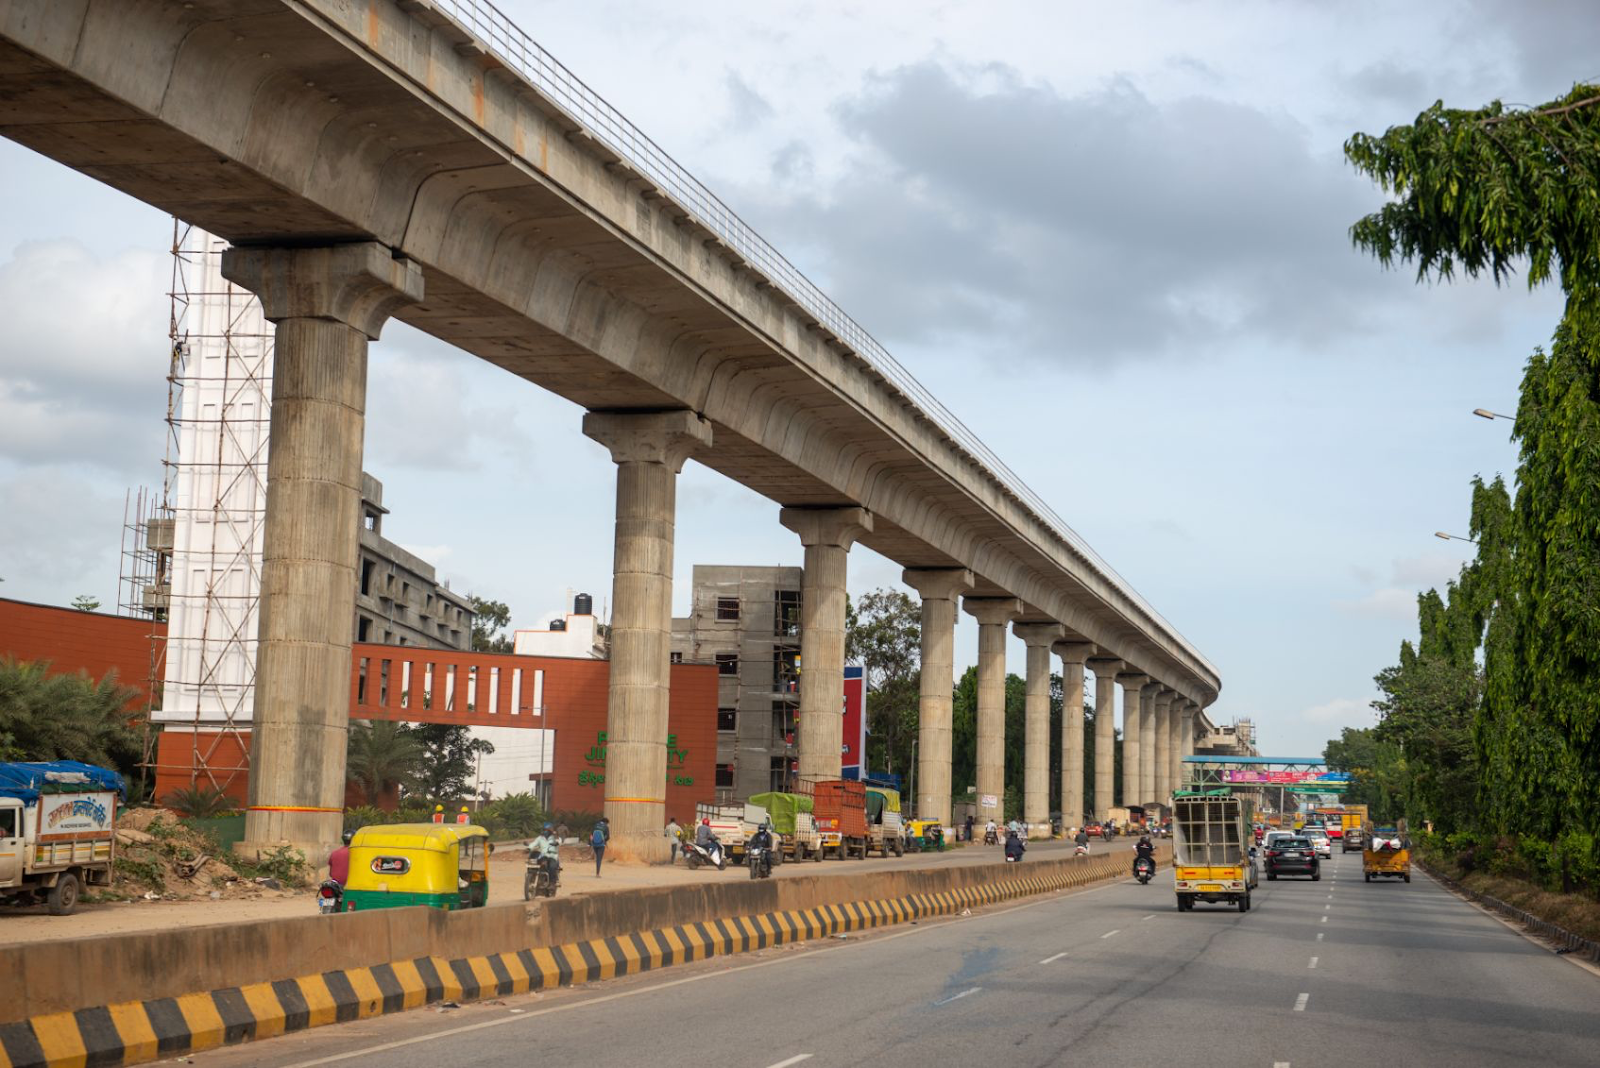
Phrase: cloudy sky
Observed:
(1111, 237)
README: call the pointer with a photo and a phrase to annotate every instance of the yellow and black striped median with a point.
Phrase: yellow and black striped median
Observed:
(136, 1031)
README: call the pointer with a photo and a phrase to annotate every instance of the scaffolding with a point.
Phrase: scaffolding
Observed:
(196, 557)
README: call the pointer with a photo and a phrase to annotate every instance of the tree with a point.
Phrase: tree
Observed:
(1479, 189)
(489, 621)
(67, 716)
(85, 602)
(382, 755)
(449, 760)
(1376, 769)
(884, 635)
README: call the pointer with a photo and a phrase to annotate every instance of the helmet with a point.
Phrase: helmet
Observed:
(706, 820)
(547, 827)
(347, 836)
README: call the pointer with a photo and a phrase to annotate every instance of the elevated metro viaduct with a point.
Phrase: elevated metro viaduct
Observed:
(426, 160)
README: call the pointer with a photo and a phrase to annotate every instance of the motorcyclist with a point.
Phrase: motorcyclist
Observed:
(703, 836)
(545, 850)
(1014, 846)
(762, 840)
(1081, 839)
(1144, 849)
(989, 835)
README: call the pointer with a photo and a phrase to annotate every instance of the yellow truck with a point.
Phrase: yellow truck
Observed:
(1211, 853)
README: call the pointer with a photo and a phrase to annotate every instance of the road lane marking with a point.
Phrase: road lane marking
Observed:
(1300, 1002)
(953, 997)
(1327, 908)
(796, 1059)
(1051, 960)
(1108, 934)
(1324, 920)
(1313, 963)
(1151, 916)
(655, 988)
(1319, 936)
(1280, 1064)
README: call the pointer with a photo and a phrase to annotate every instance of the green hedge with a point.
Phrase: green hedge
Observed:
(1569, 864)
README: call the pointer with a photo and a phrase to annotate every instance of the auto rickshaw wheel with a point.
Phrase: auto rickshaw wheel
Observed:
(1408, 877)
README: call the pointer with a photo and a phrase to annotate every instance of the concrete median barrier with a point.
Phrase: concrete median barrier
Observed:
(132, 998)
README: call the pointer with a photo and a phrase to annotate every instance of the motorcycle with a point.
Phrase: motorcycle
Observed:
(759, 861)
(541, 878)
(1144, 869)
(990, 837)
(695, 854)
(330, 897)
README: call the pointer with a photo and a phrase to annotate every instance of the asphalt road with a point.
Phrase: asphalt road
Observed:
(1336, 972)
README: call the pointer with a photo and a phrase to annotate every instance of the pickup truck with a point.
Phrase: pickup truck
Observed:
(1211, 856)
(56, 831)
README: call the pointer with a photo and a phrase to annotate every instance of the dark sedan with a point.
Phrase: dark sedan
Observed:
(1292, 856)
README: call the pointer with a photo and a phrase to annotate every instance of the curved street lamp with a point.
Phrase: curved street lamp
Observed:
(1484, 413)
(1453, 537)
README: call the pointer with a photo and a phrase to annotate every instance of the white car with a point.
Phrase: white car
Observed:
(1320, 842)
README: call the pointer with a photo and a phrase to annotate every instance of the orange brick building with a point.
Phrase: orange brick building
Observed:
(410, 684)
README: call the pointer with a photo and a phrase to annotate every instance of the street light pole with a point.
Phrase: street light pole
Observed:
(1484, 413)
(1453, 537)
(912, 778)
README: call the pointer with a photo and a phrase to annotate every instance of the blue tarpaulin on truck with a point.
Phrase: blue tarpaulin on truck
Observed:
(27, 781)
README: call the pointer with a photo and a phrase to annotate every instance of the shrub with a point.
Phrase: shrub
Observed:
(284, 863)
(513, 816)
(199, 802)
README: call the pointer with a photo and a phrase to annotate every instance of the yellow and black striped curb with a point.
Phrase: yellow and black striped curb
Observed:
(136, 1031)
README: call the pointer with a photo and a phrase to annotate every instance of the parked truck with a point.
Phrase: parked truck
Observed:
(792, 820)
(885, 830)
(734, 824)
(56, 831)
(1211, 858)
(840, 809)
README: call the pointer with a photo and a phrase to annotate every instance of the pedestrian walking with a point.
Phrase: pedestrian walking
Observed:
(969, 826)
(597, 841)
(675, 836)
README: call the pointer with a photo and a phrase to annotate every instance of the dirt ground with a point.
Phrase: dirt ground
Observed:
(248, 904)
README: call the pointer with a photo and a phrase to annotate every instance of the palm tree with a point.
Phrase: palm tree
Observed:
(67, 716)
(381, 754)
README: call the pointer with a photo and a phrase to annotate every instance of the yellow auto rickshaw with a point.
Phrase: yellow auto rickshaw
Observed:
(1386, 852)
(445, 865)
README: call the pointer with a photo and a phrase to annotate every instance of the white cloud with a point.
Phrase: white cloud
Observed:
(1391, 602)
(1341, 712)
(84, 361)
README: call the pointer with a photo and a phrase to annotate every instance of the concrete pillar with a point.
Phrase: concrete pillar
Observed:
(1039, 637)
(1186, 734)
(1175, 716)
(827, 534)
(1132, 683)
(1163, 705)
(1147, 743)
(1105, 734)
(938, 590)
(992, 614)
(1073, 656)
(649, 449)
(325, 304)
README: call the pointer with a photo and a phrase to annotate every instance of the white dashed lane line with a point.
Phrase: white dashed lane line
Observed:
(1051, 960)
(953, 997)
(1313, 963)
(1300, 1002)
(1108, 934)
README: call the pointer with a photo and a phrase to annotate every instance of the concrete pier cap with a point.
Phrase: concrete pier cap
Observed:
(827, 534)
(939, 589)
(360, 284)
